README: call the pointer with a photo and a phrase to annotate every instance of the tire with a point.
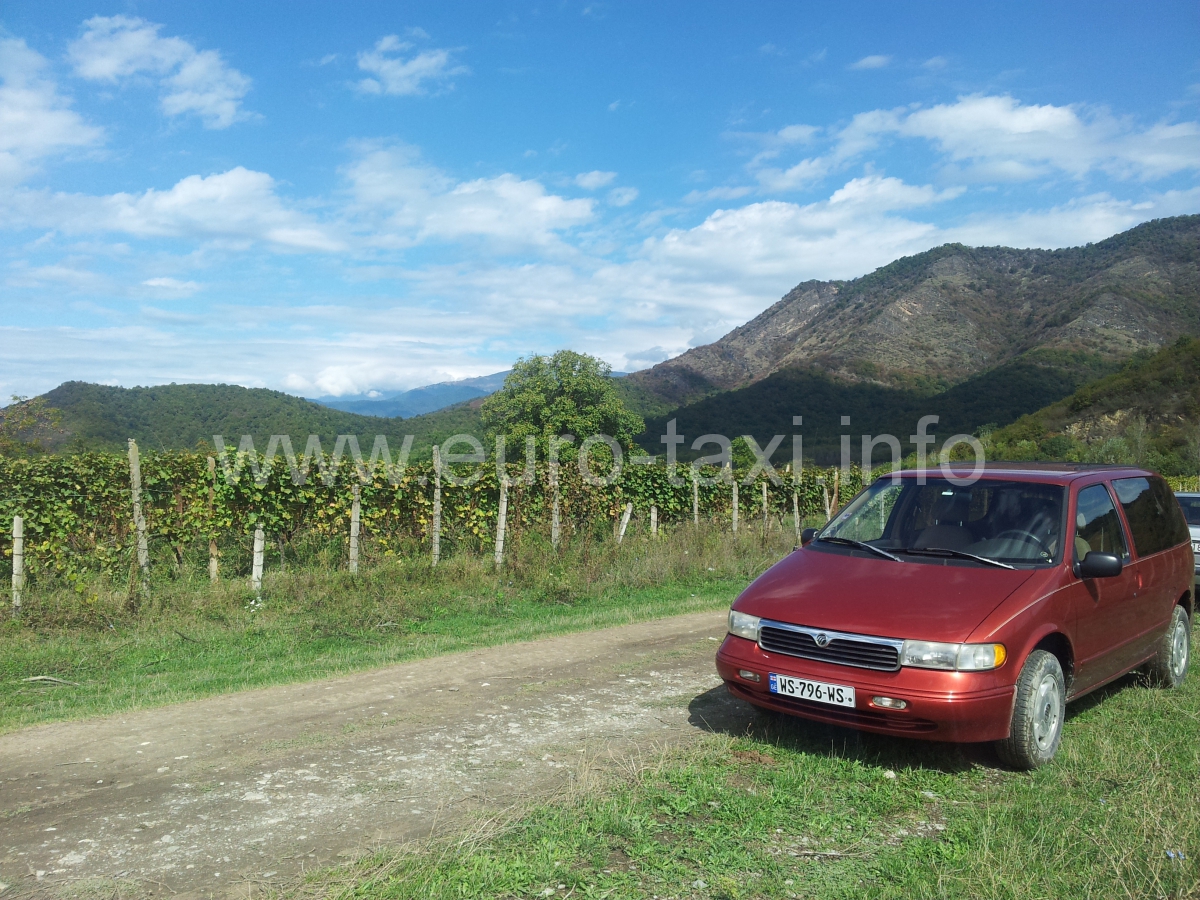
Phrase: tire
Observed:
(1169, 667)
(1039, 708)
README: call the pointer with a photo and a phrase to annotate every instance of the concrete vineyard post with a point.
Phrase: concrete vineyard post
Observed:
(213, 565)
(501, 521)
(796, 512)
(18, 563)
(556, 512)
(695, 498)
(654, 520)
(256, 569)
(139, 520)
(624, 522)
(355, 525)
(735, 505)
(764, 499)
(437, 504)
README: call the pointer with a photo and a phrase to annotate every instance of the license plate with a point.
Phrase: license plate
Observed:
(817, 691)
(1196, 546)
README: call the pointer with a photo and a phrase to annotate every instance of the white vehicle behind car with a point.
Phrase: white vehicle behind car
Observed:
(1190, 501)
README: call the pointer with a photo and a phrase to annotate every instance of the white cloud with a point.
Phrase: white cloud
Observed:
(238, 207)
(403, 202)
(871, 62)
(848, 234)
(622, 196)
(116, 48)
(801, 175)
(35, 120)
(995, 138)
(398, 75)
(1001, 139)
(590, 181)
(935, 62)
(167, 287)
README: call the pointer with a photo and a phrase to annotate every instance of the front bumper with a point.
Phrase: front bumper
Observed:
(942, 706)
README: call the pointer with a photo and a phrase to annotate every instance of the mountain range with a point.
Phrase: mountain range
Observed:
(979, 336)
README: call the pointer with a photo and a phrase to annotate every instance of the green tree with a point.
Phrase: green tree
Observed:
(550, 396)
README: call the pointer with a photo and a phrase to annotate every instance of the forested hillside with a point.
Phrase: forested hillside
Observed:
(1147, 413)
(187, 416)
(766, 407)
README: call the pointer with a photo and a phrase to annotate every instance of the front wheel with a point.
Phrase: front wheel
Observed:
(1169, 666)
(1039, 708)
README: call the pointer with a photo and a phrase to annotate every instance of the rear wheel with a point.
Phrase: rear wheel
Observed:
(1039, 707)
(1169, 666)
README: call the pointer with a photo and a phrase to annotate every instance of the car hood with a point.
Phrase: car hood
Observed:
(862, 594)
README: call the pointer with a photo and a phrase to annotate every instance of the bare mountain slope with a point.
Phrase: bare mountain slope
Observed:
(930, 321)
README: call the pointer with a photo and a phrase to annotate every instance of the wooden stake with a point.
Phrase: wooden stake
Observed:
(213, 565)
(355, 525)
(624, 522)
(501, 521)
(735, 505)
(653, 520)
(695, 498)
(256, 569)
(18, 563)
(796, 512)
(437, 504)
(139, 520)
(764, 493)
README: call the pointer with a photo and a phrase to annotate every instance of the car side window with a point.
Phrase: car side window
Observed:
(1097, 526)
(1155, 519)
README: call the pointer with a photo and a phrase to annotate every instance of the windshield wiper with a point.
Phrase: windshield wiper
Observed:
(961, 554)
(861, 545)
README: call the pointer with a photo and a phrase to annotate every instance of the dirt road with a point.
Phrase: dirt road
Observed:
(213, 797)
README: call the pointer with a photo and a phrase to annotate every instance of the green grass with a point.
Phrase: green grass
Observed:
(774, 807)
(193, 639)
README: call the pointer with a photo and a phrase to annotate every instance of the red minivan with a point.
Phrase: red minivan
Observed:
(951, 607)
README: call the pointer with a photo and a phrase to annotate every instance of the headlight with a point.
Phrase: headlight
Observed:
(743, 625)
(929, 655)
(963, 657)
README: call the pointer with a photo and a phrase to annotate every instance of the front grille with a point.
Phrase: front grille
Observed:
(841, 650)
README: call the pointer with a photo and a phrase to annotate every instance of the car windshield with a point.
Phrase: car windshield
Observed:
(1191, 509)
(1013, 522)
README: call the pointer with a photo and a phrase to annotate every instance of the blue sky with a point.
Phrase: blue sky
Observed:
(338, 198)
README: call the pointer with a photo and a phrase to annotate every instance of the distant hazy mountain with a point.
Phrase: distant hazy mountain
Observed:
(422, 400)
(418, 401)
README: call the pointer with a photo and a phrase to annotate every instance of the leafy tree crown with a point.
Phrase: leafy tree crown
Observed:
(550, 396)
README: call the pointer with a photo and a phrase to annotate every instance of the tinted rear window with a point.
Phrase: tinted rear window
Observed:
(1191, 509)
(1155, 519)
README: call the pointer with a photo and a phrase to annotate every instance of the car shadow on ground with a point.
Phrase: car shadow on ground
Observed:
(718, 712)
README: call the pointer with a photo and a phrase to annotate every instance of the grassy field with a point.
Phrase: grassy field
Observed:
(783, 808)
(193, 639)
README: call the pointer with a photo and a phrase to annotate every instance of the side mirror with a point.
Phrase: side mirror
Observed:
(1099, 565)
(806, 536)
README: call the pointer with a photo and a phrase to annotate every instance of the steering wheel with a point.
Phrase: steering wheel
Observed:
(1025, 537)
